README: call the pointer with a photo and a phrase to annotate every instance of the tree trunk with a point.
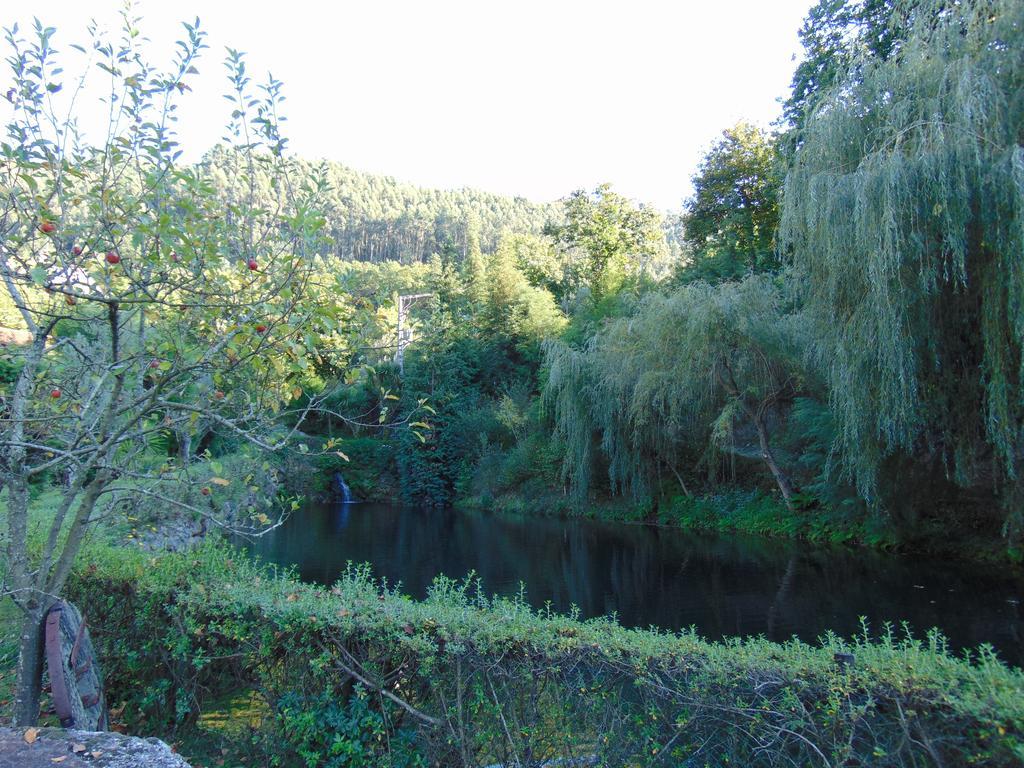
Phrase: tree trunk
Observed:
(781, 479)
(756, 415)
(679, 478)
(28, 686)
(184, 447)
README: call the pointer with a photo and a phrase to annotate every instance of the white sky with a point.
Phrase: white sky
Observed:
(513, 96)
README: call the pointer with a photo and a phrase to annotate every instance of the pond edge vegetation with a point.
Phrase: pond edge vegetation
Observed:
(463, 678)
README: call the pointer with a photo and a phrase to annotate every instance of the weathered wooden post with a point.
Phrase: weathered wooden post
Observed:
(74, 670)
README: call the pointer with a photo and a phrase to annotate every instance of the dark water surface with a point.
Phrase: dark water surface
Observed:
(723, 586)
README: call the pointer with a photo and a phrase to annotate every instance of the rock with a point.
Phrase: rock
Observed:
(50, 747)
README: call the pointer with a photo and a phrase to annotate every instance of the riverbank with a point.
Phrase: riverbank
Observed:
(464, 677)
(757, 513)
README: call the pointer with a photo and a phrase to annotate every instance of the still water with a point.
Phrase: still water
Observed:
(661, 577)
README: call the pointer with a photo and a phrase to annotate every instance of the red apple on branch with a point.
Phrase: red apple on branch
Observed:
(253, 266)
(47, 227)
(55, 393)
(112, 257)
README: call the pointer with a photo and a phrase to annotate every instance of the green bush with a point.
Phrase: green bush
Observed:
(762, 514)
(350, 733)
(463, 679)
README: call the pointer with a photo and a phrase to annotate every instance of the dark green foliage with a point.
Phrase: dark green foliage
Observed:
(755, 512)
(809, 441)
(10, 367)
(730, 221)
(480, 339)
(485, 681)
(368, 467)
(702, 367)
(521, 460)
(448, 369)
(328, 731)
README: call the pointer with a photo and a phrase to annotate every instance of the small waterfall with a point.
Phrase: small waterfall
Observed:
(342, 489)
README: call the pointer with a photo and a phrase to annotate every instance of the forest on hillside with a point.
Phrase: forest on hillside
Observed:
(377, 218)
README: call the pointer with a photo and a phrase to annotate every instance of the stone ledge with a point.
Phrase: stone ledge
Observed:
(57, 748)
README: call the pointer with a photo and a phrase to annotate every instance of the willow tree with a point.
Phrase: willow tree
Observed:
(701, 363)
(904, 210)
(839, 36)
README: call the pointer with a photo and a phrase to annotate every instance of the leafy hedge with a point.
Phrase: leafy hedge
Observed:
(359, 674)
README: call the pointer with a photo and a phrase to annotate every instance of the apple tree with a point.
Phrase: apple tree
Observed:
(149, 303)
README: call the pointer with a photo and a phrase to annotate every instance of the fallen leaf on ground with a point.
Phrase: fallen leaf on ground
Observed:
(60, 759)
(31, 735)
(76, 748)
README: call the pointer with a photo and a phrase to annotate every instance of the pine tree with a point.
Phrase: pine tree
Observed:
(475, 270)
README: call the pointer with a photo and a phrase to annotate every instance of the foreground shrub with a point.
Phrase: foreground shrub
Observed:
(359, 674)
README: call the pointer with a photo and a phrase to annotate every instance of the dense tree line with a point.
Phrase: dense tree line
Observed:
(842, 330)
(377, 218)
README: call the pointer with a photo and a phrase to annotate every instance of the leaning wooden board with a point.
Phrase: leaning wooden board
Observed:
(74, 670)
